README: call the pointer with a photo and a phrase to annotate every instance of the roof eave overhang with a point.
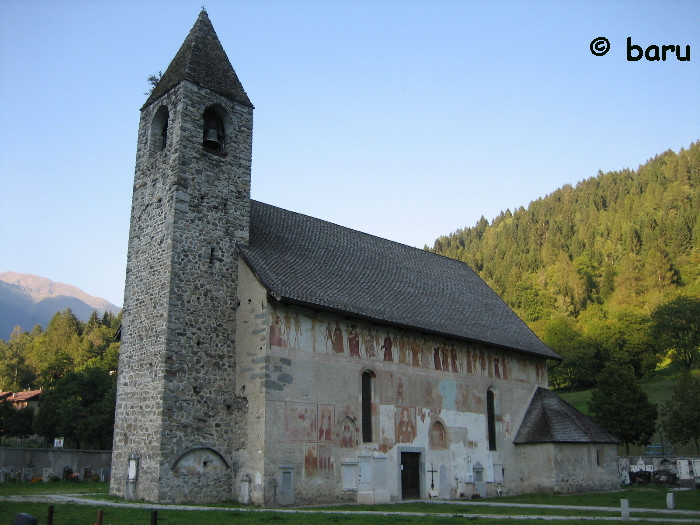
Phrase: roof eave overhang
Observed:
(280, 298)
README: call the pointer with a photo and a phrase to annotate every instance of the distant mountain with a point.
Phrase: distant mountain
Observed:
(27, 300)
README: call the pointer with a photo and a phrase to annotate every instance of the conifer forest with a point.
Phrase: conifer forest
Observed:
(607, 271)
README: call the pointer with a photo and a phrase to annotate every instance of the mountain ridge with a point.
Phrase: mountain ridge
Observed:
(27, 300)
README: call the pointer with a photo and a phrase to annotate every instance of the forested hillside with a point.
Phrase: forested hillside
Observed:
(598, 269)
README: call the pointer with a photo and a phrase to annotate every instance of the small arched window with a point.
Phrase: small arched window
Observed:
(213, 137)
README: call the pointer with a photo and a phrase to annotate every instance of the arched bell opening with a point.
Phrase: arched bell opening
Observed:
(159, 129)
(214, 130)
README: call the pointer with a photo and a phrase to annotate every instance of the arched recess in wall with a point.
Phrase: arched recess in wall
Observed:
(367, 395)
(437, 437)
(159, 129)
(216, 126)
(199, 460)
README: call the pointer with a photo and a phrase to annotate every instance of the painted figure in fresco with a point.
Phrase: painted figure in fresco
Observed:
(399, 393)
(338, 339)
(388, 344)
(287, 326)
(436, 358)
(453, 358)
(300, 422)
(416, 352)
(368, 341)
(310, 460)
(427, 357)
(469, 361)
(325, 431)
(406, 429)
(322, 427)
(482, 362)
(445, 360)
(354, 341)
(297, 330)
(348, 434)
(324, 458)
(276, 336)
(403, 350)
(496, 368)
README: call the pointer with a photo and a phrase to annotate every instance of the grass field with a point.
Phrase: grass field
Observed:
(429, 513)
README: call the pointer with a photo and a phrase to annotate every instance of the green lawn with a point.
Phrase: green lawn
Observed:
(64, 514)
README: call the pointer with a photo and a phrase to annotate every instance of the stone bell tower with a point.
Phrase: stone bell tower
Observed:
(178, 421)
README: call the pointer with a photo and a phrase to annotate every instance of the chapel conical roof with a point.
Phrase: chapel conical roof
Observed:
(203, 61)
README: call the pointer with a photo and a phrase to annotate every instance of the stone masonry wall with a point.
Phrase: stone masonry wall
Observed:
(176, 390)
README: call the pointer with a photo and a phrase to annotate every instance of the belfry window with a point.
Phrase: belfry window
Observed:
(213, 131)
(367, 407)
(159, 129)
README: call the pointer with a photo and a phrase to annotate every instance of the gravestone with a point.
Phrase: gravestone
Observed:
(479, 483)
(625, 509)
(670, 501)
(24, 519)
(444, 483)
(685, 478)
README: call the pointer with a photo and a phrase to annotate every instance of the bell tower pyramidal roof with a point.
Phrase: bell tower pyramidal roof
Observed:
(203, 61)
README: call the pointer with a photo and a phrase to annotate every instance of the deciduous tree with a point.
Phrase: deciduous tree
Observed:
(676, 326)
(681, 415)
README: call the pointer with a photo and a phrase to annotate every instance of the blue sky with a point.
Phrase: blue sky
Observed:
(407, 120)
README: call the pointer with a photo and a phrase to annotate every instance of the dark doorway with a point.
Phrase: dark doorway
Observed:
(410, 475)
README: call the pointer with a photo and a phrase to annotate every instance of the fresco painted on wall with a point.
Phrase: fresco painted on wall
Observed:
(325, 423)
(437, 436)
(310, 459)
(405, 424)
(315, 333)
(300, 422)
(348, 433)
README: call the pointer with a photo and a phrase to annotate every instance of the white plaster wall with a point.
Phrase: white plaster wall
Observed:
(315, 362)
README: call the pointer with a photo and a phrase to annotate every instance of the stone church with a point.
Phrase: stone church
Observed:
(278, 359)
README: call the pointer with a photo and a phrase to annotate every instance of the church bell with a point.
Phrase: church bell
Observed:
(211, 139)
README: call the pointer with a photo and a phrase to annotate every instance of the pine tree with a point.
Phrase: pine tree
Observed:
(621, 407)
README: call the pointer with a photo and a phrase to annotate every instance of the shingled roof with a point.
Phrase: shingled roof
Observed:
(203, 61)
(306, 261)
(550, 419)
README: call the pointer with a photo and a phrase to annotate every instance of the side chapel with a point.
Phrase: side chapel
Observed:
(275, 358)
